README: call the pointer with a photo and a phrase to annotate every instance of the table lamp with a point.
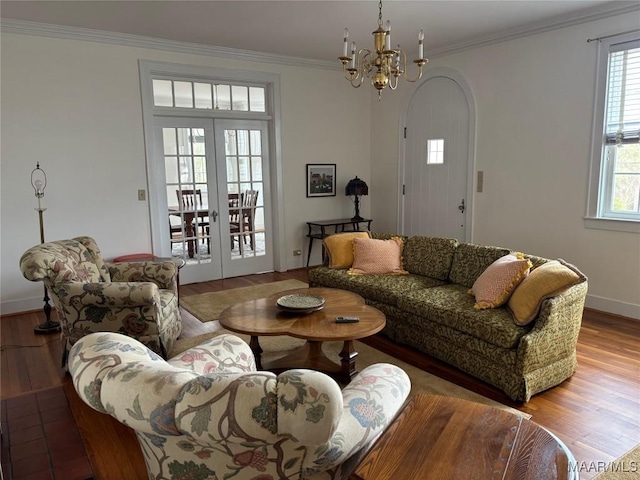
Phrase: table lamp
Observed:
(356, 188)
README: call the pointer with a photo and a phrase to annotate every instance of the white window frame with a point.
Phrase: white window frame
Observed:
(601, 179)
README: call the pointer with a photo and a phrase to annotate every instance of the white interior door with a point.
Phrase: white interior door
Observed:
(244, 196)
(215, 195)
(185, 148)
(437, 161)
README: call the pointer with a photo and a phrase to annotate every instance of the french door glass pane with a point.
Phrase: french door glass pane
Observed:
(245, 188)
(187, 196)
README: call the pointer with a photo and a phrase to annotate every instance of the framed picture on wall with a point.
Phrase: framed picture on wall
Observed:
(321, 179)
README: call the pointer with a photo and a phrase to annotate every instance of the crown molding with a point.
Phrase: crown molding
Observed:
(596, 13)
(100, 36)
(114, 38)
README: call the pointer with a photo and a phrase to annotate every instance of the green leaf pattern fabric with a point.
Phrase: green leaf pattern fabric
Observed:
(138, 299)
(431, 310)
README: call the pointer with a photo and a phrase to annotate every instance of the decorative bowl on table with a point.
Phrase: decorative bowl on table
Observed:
(300, 303)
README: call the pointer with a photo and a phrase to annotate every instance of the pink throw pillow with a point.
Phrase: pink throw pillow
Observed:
(373, 256)
(495, 285)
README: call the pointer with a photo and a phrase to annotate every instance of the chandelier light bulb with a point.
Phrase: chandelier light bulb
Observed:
(345, 45)
(387, 37)
(421, 44)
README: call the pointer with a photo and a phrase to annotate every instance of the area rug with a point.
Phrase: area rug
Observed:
(421, 381)
(207, 307)
(627, 467)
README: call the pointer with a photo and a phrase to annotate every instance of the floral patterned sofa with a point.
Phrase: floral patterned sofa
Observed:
(208, 414)
(429, 308)
(139, 299)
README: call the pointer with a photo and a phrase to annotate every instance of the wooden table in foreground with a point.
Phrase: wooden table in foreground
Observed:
(447, 438)
(262, 317)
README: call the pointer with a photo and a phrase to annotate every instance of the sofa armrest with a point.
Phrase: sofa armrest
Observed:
(163, 273)
(370, 403)
(555, 332)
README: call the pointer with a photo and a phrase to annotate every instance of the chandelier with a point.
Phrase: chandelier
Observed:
(386, 65)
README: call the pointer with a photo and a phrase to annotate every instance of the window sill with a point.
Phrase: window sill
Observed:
(616, 225)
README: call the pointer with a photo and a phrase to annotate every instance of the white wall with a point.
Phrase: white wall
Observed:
(75, 107)
(534, 99)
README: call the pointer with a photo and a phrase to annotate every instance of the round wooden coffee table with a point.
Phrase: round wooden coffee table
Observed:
(262, 317)
(447, 438)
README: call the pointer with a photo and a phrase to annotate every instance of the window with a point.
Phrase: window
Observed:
(182, 94)
(615, 182)
(435, 151)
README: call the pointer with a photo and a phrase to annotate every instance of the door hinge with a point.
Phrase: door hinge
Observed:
(405, 132)
(403, 190)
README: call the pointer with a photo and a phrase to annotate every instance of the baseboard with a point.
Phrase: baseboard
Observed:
(22, 306)
(616, 307)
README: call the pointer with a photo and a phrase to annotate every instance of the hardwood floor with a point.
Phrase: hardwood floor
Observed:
(596, 412)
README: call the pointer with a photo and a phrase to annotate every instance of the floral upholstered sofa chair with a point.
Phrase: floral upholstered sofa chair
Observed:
(208, 414)
(139, 299)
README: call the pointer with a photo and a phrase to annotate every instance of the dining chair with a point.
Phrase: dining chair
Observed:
(234, 218)
(242, 217)
(249, 202)
(191, 200)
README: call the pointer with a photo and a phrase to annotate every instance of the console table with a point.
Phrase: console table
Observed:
(322, 228)
(436, 437)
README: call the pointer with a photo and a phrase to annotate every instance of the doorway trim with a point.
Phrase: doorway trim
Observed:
(148, 69)
(455, 76)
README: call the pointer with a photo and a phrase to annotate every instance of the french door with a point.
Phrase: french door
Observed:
(203, 164)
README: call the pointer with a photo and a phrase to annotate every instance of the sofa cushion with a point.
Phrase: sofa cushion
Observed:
(543, 282)
(372, 256)
(429, 256)
(387, 288)
(339, 248)
(470, 260)
(495, 285)
(452, 306)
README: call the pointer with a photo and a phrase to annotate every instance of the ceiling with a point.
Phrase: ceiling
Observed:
(312, 29)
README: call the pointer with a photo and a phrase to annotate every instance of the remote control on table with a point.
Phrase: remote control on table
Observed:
(347, 319)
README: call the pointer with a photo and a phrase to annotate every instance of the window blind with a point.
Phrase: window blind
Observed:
(623, 94)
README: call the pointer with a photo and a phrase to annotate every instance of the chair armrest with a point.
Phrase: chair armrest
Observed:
(163, 273)
(93, 357)
(222, 353)
(370, 403)
(108, 294)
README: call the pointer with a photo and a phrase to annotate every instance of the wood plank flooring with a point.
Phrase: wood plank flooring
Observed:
(596, 412)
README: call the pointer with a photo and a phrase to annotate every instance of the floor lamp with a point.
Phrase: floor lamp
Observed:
(39, 183)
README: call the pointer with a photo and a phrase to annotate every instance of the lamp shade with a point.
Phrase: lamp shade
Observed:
(356, 187)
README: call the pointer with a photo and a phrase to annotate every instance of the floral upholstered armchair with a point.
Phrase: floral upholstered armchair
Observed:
(139, 299)
(208, 414)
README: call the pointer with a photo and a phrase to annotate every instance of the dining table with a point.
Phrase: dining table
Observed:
(189, 215)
